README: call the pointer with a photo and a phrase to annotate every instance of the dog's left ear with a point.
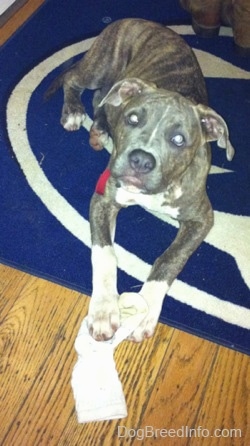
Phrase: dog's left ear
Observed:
(215, 129)
(126, 89)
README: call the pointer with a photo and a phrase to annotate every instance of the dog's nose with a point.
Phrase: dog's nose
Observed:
(141, 161)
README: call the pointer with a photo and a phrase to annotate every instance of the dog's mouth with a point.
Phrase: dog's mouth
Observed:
(130, 183)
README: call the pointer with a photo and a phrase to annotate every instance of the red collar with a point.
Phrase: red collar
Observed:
(101, 183)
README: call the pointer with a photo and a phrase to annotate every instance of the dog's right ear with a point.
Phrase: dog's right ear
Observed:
(125, 89)
(215, 129)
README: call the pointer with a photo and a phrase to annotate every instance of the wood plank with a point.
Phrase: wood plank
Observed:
(10, 10)
(209, 398)
(226, 405)
(9, 287)
(181, 384)
(19, 17)
(31, 334)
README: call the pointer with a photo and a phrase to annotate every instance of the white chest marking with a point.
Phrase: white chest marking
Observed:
(151, 202)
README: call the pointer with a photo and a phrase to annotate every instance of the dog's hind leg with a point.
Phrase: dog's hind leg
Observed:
(74, 81)
(73, 113)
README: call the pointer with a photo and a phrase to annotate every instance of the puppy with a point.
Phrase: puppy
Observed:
(151, 99)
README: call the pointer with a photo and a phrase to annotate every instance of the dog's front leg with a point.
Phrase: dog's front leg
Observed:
(103, 315)
(167, 267)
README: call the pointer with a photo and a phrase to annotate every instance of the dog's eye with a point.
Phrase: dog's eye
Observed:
(133, 119)
(178, 140)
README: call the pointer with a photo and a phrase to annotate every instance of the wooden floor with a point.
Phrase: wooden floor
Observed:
(173, 381)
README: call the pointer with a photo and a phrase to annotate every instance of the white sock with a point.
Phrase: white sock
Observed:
(96, 386)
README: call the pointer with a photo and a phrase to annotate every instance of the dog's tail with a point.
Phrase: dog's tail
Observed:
(54, 86)
(59, 80)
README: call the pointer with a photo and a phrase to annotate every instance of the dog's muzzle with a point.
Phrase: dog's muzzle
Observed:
(138, 165)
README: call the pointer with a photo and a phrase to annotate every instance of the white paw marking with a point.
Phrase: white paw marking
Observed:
(153, 292)
(74, 121)
(103, 318)
(145, 329)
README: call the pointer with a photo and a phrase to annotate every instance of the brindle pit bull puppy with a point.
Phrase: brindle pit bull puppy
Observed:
(151, 99)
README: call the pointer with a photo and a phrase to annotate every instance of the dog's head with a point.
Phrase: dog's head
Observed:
(158, 134)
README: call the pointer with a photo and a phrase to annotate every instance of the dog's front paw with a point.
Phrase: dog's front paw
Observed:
(145, 330)
(72, 117)
(103, 319)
